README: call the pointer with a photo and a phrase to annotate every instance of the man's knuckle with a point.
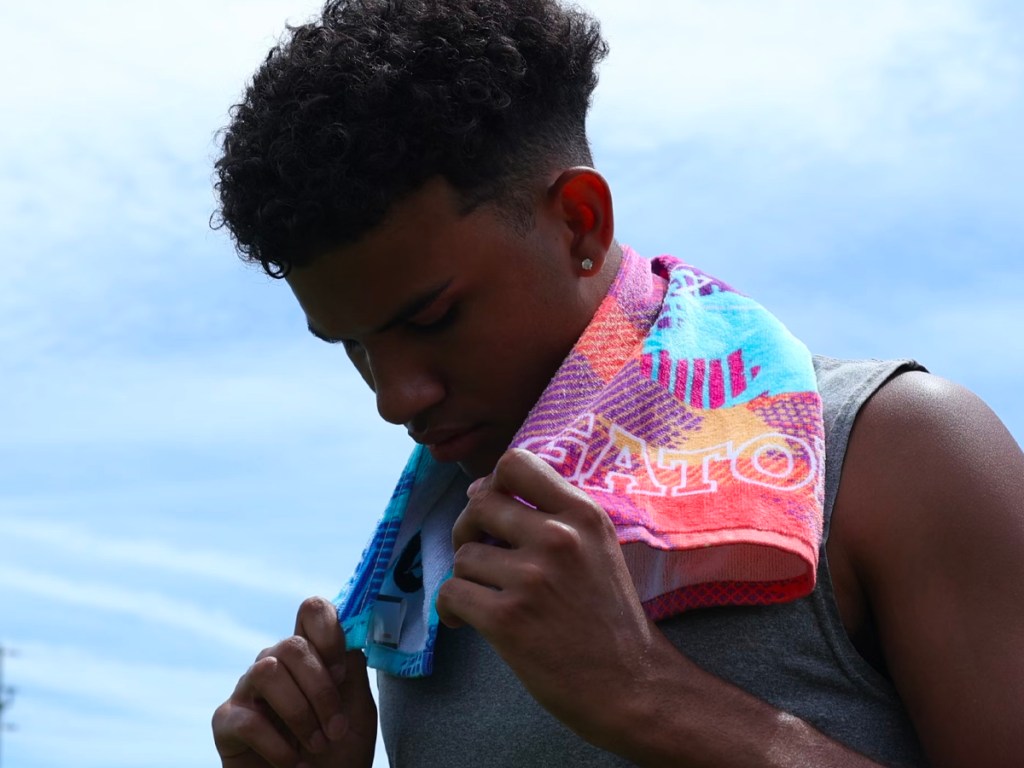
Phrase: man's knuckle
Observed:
(463, 527)
(592, 519)
(220, 717)
(465, 557)
(446, 593)
(235, 726)
(560, 538)
(509, 461)
(262, 670)
(533, 579)
(246, 727)
(294, 647)
(513, 609)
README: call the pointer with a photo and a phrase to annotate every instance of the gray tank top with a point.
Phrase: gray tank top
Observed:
(473, 712)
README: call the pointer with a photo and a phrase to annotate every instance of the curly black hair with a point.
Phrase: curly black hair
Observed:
(352, 112)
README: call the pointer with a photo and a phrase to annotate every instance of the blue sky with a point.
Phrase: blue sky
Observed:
(181, 463)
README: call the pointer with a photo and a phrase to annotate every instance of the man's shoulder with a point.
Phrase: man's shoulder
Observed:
(926, 456)
(921, 441)
(929, 519)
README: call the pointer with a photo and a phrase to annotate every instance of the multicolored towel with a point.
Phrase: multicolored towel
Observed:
(688, 412)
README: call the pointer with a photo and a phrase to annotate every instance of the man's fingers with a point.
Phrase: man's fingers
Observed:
(527, 476)
(300, 689)
(298, 697)
(317, 621)
(298, 692)
(485, 564)
(357, 681)
(493, 515)
(526, 500)
(238, 730)
(464, 602)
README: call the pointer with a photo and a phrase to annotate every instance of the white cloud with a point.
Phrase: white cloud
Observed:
(60, 541)
(182, 615)
(148, 688)
(856, 78)
(222, 394)
(106, 144)
(135, 58)
(57, 734)
(94, 698)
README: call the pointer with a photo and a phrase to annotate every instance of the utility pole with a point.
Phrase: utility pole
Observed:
(6, 696)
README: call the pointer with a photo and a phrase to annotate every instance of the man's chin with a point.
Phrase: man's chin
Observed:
(477, 468)
(481, 463)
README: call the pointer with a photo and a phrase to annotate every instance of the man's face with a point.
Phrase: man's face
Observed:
(456, 321)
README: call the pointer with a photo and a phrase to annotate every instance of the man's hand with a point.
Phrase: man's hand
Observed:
(557, 603)
(304, 702)
(559, 606)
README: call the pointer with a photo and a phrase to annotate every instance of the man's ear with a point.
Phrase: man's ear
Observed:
(584, 202)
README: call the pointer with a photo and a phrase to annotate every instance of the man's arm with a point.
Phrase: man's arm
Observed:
(931, 514)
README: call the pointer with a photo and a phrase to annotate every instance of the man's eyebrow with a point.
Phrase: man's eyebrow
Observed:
(407, 311)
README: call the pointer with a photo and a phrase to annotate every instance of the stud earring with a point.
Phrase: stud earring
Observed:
(587, 264)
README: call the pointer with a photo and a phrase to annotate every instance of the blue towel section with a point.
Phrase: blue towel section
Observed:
(356, 600)
(704, 318)
(388, 607)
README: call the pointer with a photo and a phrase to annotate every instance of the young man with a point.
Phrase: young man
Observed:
(418, 172)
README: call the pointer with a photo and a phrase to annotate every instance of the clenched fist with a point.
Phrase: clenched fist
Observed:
(304, 702)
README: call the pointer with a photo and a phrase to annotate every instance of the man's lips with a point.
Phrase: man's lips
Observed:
(449, 443)
(437, 436)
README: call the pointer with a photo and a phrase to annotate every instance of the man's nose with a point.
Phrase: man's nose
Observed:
(405, 387)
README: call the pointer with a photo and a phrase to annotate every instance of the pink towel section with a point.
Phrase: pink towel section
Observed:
(691, 415)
